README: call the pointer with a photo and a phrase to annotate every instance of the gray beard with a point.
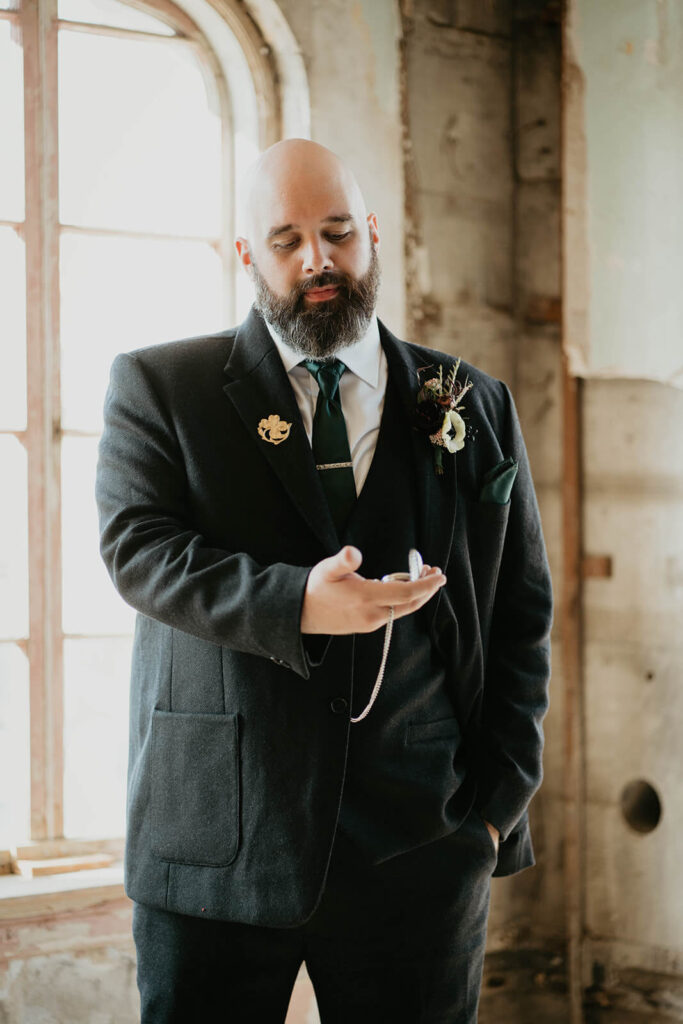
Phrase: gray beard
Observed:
(322, 330)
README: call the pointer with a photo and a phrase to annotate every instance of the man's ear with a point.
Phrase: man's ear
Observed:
(374, 229)
(243, 254)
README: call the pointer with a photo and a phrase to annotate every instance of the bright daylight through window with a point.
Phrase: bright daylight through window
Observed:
(125, 244)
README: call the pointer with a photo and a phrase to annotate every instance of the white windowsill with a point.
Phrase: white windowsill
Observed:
(56, 894)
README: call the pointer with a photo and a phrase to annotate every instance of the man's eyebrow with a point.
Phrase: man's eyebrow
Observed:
(280, 230)
(336, 218)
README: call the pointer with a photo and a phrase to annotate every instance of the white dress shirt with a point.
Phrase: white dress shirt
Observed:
(362, 389)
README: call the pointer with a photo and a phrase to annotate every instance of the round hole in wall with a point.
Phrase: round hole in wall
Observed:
(495, 981)
(641, 806)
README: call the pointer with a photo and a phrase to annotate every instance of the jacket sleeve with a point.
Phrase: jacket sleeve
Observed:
(158, 562)
(517, 671)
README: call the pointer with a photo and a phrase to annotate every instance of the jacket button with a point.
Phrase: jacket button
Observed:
(339, 705)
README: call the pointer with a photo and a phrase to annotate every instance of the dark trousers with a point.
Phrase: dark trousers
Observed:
(402, 941)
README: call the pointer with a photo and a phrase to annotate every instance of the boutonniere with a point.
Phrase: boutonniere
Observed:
(439, 404)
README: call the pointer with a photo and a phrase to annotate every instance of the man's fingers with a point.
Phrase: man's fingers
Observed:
(338, 600)
(346, 561)
(401, 611)
(399, 594)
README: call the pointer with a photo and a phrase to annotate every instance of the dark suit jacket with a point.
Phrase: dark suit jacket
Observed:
(237, 746)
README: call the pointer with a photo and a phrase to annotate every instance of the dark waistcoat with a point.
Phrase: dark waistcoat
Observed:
(403, 770)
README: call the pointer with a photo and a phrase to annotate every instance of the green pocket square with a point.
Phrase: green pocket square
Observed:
(498, 482)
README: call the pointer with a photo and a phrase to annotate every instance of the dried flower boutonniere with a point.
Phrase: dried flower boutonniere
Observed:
(439, 403)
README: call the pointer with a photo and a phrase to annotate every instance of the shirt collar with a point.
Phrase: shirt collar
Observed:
(361, 358)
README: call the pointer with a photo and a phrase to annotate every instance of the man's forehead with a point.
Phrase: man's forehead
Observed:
(305, 194)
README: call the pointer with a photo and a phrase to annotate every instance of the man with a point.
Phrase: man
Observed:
(254, 487)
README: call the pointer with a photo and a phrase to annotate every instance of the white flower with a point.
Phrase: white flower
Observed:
(453, 431)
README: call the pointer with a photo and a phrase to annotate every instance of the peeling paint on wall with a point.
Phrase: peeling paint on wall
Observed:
(629, 57)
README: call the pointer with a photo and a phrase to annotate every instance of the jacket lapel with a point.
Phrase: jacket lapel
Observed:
(259, 388)
(436, 495)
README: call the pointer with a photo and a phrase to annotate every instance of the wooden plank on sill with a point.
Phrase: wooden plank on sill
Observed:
(49, 849)
(26, 898)
(61, 865)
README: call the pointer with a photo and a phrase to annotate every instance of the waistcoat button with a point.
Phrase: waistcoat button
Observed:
(339, 705)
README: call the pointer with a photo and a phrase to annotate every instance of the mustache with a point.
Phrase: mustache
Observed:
(325, 280)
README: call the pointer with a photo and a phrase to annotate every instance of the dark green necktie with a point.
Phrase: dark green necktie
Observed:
(331, 443)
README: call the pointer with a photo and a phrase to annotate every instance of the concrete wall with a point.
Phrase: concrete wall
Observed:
(351, 53)
(461, 194)
(483, 102)
(623, 75)
(633, 481)
(629, 57)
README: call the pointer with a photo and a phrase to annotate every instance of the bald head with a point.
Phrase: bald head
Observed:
(297, 174)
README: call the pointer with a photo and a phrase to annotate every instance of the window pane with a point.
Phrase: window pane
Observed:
(11, 123)
(119, 294)
(14, 746)
(12, 330)
(139, 151)
(109, 12)
(96, 676)
(13, 540)
(90, 602)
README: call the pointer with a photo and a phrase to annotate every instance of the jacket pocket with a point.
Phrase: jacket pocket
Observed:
(195, 788)
(420, 732)
(433, 768)
(489, 838)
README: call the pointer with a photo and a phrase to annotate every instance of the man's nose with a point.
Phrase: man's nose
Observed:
(316, 257)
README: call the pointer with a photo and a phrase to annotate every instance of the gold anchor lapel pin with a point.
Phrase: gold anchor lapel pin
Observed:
(274, 430)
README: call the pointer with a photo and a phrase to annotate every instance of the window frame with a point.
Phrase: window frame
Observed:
(41, 230)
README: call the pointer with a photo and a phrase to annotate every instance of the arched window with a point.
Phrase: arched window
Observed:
(122, 140)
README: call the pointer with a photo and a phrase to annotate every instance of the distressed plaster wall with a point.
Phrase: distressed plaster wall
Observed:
(460, 181)
(628, 65)
(351, 53)
(482, 86)
(623, 82)
(633, 502)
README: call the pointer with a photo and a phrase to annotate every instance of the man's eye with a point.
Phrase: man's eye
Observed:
(285, 245)
(339, 238)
